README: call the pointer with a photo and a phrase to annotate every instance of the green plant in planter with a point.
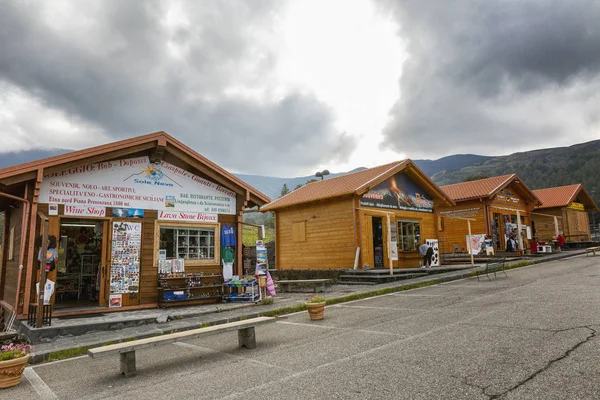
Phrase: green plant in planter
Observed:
(316, 299)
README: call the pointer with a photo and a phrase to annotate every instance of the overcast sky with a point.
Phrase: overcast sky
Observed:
(285, 88)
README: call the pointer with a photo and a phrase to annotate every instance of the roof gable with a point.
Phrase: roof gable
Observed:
(350, 184)
(159, 141)
(485, 188)
(563, 196)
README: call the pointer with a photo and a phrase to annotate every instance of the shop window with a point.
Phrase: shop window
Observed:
(188, 243)
(409, 233)
(299, 231)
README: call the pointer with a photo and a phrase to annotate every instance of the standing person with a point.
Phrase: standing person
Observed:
(560, 241)
(427, 252)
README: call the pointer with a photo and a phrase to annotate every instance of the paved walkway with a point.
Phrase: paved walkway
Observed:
(154, 322)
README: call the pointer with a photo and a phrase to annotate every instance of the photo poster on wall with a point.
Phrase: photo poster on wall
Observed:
(434, 244)
(398, 192)
(477, 243)
(125, 257)
(115, 300)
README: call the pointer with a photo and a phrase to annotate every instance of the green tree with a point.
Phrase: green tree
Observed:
(284, 190)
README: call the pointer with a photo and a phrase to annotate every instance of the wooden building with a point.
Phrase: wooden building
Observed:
(499, 206)
(115, 210)
(564, 209)
(382, 214)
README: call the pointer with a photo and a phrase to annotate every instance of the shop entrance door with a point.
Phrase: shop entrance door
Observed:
(81, 254)
(378, 242)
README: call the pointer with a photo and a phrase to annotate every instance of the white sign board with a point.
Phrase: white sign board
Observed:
(394, 247)
(85, 211)
(188, 216)
(136, 183)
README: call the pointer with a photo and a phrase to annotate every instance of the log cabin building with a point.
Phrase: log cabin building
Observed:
(376, 217)
(570, 205)
(499, 205)
(115, 210)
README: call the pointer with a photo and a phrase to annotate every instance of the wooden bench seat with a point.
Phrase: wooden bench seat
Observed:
(493, 266)
(316, 284)
(592, 250)
(126, 350)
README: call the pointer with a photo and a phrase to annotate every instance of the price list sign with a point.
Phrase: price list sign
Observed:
(125, 260)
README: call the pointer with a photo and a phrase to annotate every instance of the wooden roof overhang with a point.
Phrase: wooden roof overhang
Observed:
(158, 144)
(579, 194)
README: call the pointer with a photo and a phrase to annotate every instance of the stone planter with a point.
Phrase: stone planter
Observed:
(11, 371)
(315, 310)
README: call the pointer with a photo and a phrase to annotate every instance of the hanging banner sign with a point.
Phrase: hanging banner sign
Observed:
(136, 183)
(576, 206)
(188, 216)
(85, 211)
(398, 192)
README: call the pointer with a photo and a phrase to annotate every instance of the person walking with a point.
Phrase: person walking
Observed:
(427, 252)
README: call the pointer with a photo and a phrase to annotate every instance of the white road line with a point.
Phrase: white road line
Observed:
(340, 328)
(379, 308)
(38, 384)
(206, 349)
(400, 294)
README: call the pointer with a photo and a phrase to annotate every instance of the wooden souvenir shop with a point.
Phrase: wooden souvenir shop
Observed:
(377, 217)
(498, 207)
(123, 219)
(564, 209)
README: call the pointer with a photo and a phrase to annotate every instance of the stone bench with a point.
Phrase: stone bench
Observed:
(316, 284)
(592, 250)
(126, 350)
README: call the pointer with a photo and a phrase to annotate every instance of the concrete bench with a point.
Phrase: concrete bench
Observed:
(493, 266)
(316, 284)
(126, 351)
(592, 250)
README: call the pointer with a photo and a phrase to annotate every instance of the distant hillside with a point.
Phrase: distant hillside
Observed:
(559, 166)
(450, 163)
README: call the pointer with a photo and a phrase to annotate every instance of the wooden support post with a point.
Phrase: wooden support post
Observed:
(127, 361)
(247, 338)
(42, 284)
(470, 243)
(389, 240)
(521, 248)
(556, 231)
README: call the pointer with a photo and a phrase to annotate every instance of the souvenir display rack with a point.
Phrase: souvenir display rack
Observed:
(242, 291)
(189, 289)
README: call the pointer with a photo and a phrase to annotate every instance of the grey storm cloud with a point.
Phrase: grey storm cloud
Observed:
(495, 76)
(128, 72)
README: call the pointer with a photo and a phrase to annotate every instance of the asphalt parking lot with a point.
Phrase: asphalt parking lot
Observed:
(532, 335)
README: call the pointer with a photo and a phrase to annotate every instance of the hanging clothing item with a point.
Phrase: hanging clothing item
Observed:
(227, 256)
(227, 236)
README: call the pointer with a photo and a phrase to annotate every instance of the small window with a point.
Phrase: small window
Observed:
(299, 231)
(188, 243)
(11, 245)
(409, 233)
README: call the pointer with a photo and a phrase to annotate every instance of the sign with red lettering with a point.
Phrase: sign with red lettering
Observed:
(136, 183)
(188, 216)
(85, 211)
